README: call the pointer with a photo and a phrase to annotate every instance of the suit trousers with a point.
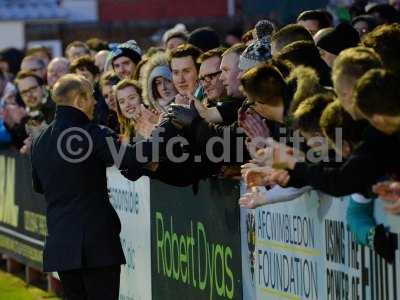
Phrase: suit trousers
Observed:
(91, 284)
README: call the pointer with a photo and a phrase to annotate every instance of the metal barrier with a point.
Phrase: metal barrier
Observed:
(303, 250)
(177, 244)
(201, 246)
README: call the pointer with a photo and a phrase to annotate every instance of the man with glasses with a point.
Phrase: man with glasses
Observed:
(35, 96)
(39, 109)
(35, 65)
(216, 106)
(209, 74)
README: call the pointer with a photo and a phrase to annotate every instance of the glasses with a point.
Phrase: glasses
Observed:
(29, 91)
(209, 77)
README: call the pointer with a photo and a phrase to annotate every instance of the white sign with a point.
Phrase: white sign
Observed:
(302, 249)
(248, 239)
(131, 200)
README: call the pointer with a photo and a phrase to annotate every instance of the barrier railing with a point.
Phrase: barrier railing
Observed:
(303, 250)
(201, 246)
(177, 244)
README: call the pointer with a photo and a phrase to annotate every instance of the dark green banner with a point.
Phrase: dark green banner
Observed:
(196, 241)
(22, 211)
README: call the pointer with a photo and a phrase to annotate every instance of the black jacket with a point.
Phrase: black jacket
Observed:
(83, 227)
(228, 109)
(376, 157)
(101, 109)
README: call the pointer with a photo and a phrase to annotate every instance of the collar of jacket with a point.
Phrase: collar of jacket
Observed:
(397, 134)
(71, 115)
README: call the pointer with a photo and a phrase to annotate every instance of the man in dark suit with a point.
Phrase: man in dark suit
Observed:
(69, 161)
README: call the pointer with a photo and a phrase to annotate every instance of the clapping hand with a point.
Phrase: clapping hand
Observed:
(146, 122)
(253, 125)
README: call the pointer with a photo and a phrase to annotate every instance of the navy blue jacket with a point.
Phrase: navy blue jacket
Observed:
(83, 227)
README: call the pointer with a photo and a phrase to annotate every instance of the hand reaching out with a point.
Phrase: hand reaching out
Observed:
(389, 192)
(26, 148)
(277, 156)
(253, 199)
(254, 175)
(184, 116)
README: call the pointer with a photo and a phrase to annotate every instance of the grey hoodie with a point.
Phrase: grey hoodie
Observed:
(157, 66)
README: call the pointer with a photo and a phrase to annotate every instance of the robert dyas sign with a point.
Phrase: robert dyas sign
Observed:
(196, 242)
(192, 259)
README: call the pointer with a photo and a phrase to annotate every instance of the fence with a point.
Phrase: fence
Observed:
(201, 246)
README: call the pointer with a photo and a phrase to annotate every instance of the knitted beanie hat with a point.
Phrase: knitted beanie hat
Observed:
(129, 49)
(260, 49)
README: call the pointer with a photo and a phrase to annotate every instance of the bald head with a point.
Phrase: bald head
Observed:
(58, 67)
(68, 87)
(35, 65)
(100, 59)
(75, 91)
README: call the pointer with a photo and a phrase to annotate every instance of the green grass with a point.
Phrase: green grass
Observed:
(14, 288)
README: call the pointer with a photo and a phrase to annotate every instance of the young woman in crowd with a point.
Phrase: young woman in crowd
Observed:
(159, 91)
(134, 118)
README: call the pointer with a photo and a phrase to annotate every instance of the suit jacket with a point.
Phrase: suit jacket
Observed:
(83, 227)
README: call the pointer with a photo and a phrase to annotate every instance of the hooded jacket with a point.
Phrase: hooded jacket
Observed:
(158, 65)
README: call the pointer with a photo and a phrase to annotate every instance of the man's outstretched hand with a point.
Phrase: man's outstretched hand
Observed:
(182, 115)
(389, 192)
(254, 176)
(253, 199)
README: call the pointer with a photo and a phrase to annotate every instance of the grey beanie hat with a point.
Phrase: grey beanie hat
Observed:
(260, 49)
(129, 49)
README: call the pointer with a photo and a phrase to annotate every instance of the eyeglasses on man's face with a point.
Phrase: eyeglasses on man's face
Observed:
(209, 77)
(29, 90)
